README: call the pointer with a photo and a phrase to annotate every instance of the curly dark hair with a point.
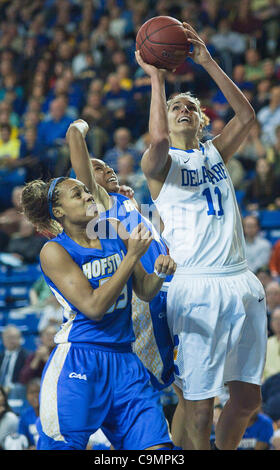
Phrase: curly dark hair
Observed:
(34, 201)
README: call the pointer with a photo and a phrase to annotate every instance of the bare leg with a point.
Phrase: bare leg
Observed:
(244, 400)
(199, 422)
(191, 426)
(178, 428)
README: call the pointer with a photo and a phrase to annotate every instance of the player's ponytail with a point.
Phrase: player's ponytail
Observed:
(35, 206)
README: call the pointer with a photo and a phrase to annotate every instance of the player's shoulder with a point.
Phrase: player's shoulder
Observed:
(53, 253)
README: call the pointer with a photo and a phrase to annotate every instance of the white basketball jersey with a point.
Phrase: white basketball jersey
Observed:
(197, 204)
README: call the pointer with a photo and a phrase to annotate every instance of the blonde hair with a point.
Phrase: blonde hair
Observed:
(35, 207)
(203, 117)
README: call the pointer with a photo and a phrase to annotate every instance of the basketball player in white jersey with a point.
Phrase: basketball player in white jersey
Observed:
(216, 306)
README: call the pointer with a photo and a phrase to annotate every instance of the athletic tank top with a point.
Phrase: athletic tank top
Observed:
(115, 330)
(197, 204)
(124, 210)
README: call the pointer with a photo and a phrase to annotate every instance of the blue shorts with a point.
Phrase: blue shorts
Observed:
(85, 388)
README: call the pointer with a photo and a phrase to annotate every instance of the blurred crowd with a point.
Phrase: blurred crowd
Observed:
(61, 60)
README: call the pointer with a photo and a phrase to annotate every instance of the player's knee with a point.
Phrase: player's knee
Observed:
(202, 420)
(247, 404)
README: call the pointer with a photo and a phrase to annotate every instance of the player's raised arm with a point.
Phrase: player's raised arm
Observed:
(58, 265)
(233, 134)
(81, 163)
(155, 159)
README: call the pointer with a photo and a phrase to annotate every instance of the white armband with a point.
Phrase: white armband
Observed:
(82, 127)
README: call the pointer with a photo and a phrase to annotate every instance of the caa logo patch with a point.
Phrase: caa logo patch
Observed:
(73, 375)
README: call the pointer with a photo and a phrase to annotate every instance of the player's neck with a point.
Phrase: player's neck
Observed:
(79, 235)
(183, 143)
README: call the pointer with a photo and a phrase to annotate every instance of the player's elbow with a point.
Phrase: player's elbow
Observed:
(94, 311)
(249, 118)
(159, 142)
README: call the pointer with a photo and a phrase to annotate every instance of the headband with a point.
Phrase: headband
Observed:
(50, 194)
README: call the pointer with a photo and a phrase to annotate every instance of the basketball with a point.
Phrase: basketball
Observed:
(162, 42)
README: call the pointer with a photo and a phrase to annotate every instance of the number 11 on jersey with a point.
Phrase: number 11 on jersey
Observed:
(210, 201)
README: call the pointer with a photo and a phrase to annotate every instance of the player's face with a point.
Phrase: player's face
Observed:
(32, 395)
(105, 176)
(76, 203)
(184, 116)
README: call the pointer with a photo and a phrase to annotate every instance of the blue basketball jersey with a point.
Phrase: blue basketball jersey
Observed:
(115, 330)
(124, 210)
(153, 345)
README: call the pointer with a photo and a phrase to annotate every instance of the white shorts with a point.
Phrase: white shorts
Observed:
(219, 325)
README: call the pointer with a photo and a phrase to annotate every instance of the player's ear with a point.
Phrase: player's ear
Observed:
(58, 212)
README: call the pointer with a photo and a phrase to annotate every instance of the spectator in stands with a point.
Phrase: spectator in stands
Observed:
(272, 292)
(272, 364)
(35, 362)
(8, 419)
(51, 134)
(99, 35)
(253, 65)
(118, 101)
(230, 44)
(27, 421)
(238, 76)
(212, 12)
(271, 398)
(9, 147)
(234, 167)
(124, 74)
(263, 274)
(263, 191)
(106, 66)
(12, 358)
(273, 153)
(79, 62)
(269, 117)
(245, 21)
(258, 248)
(122, 139)
(274, 262)
(10, 218)
(251, 149)
(54, 129)
(25, 244)
(8, 116)
(42, 299)
(136, 180)
(270, 71)
(258, 433)
(30, 154)
(262, 94)
(100, 121)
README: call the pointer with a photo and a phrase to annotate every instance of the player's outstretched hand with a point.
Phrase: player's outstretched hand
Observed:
(200, 53)
(80, 125)
(139, 241)
(165, 265)
(148, 68)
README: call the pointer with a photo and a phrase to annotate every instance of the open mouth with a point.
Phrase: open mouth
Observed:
(184, 119)
(113, 179)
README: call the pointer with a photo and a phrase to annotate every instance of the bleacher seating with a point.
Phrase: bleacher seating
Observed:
(15, 309)
(270, 225)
